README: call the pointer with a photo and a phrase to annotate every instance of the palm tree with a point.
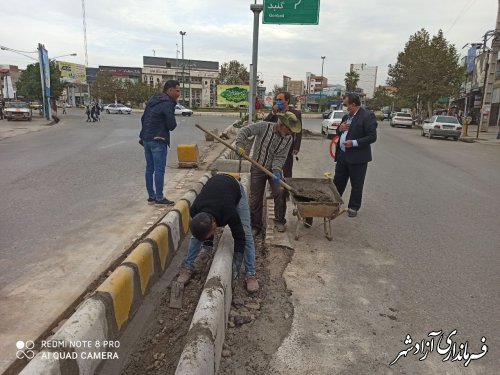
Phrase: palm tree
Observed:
(351, 80)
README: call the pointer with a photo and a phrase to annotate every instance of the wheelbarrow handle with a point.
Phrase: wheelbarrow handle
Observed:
(260, 167)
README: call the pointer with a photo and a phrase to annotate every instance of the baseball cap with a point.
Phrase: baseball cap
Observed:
(290, 121)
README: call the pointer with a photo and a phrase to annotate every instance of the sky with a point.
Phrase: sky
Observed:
(121, 32)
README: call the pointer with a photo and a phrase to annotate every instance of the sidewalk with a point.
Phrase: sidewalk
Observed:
(489, 137)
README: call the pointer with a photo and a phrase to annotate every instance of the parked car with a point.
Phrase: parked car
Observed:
(327, 113)
(181, 110)
(18, 111)
(402, 119)
(35, 105)
(379, 115)
(442, 126)
(118, 108)
(329, 125)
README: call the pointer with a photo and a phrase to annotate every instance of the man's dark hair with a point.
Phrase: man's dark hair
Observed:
(171, 84)
(353, 98)
(286, 94)
(201, 225)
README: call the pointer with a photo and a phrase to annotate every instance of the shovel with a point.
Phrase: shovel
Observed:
(260, 167)
(176, 293)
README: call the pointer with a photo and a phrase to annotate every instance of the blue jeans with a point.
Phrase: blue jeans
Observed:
(249, 252)
(156, 160)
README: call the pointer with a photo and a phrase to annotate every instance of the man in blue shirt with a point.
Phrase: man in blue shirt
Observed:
(158, 121)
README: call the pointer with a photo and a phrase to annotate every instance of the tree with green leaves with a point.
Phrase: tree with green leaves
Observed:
(29, 84)
(428, 68)
(233, 73)
(351, 81)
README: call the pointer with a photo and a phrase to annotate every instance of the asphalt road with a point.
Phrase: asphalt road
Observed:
(422, 256)
(72, 198)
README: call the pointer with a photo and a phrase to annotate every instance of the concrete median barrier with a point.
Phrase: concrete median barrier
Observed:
(100, 319)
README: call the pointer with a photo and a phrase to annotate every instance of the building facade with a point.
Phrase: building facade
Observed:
(315, 83)
(296, 88)
(367, 78)
(198, 78)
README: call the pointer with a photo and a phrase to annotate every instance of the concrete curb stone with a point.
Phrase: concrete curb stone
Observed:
(202, 353)
(103, 317)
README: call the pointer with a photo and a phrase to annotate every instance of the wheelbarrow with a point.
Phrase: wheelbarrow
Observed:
(318, 197)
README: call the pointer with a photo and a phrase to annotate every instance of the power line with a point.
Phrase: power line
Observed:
(460, 15)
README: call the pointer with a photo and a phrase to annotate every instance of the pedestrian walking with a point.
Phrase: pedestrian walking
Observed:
(87, 112)
(221, 202)
(1, 109)
(92, 112)
(157, 122)
(64, 108)
(98, 112)
(357, 132)
(271, 147)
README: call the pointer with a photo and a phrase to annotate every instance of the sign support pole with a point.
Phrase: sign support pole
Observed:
(256, 9)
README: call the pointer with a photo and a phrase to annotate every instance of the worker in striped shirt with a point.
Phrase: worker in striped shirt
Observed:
(271, 146)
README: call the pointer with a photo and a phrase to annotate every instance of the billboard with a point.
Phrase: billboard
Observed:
(232, 94)
(479, 74)
(72, 73)
(471, 55)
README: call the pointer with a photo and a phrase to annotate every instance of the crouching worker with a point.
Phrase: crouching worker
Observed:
(221, 202)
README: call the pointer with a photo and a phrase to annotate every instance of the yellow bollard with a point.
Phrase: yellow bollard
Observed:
(188, 155)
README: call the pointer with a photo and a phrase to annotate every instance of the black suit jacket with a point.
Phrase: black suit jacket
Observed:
(363, 129)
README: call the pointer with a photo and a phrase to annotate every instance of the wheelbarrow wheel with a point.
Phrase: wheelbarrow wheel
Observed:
(308, 222)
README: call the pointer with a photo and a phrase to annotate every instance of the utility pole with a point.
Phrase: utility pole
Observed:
(256, 9)
(176, 59)
(490, 77)
(183, 67)
(321, 91)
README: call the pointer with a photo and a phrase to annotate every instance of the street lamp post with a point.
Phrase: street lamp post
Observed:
(321, 91)
(183, 67)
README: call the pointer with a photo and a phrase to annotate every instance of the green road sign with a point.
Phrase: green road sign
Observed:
(294, 12)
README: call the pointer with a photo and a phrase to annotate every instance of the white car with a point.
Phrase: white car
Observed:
(331, 123)
(402, 119)
(118, 108)
(442, 126)
(181, 110)
(17, 111)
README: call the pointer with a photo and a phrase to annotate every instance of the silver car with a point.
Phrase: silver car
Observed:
(118, 108)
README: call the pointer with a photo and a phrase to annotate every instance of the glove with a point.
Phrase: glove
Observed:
(276, 177)
(240, 151)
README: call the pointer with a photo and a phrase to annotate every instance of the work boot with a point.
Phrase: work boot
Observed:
(184, 275)
(237, 262)
(280, 227)
(252, 283)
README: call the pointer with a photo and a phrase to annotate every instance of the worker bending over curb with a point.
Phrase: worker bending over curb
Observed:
(221, 202)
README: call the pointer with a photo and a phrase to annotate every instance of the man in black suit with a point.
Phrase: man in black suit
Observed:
(357, 132)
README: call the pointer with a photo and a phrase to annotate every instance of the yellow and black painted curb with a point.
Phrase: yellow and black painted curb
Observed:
(107, 312)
